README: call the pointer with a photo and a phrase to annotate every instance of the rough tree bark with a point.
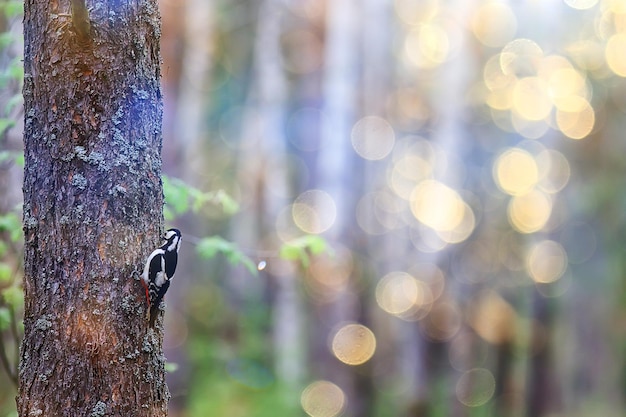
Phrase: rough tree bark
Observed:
(92, 209)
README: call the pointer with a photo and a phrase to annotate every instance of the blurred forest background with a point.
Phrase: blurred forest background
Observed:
(390, 207)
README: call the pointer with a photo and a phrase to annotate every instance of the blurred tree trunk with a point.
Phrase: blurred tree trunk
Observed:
(265, 126)
(92, 211)
(335, 175)
(543, 388)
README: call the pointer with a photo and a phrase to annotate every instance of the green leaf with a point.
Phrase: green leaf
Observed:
(210, 246)
(229, 205)
(16, 157)
(176, 195)
(19, 159)
(6, 39)
(14, 297)
(12, 102)
(13, 8)
(182, 197)
(171, 367)
(168, 213)
(6, 124)
(6, 273)
(5, 318)
(301, 248)
(11, 223)
(16, 69)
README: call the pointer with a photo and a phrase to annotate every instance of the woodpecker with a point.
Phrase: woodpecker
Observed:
(159, 270)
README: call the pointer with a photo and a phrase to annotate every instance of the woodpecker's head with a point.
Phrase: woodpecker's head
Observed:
(172, 240)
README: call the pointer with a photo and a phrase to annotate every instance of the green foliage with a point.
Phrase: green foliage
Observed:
(11, 8)
(302, 248)
(210, 246)
(14, 297)
(240, 386)
(6, 124)
(171, 367)
(11, 223)
(13, 72)
(6, 274)
(12, 156)
(13, 102)
(181, 198)
(5, 318)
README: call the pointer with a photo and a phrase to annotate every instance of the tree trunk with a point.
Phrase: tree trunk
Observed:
(92, 210)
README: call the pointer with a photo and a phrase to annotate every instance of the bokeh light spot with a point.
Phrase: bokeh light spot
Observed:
(494, 24)
(402, 295)
(581, 4)
(437, 206)
(546, 261)
(577, 122)
(493, 318)
(531, 99)
(427, 46)
(475, 387)
(354, 344)
(521, 57)
(554, 171)
(329, 275)
(443, 321)
(373, 138)
(413, 13)
(516, 171)
(323, 399)
(614, 54)
(314, 211)
(530, 212)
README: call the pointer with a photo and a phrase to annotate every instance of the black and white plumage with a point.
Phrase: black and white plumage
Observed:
(159, 270)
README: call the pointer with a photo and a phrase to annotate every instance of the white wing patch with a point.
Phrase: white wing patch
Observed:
(161, 277)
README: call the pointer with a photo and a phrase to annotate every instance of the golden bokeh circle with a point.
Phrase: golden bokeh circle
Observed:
(354, 344)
